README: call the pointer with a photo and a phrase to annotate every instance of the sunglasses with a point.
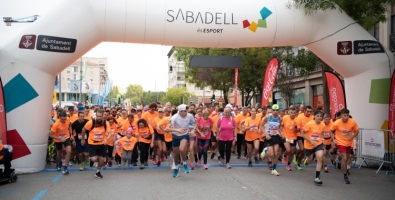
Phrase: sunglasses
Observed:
(182, 110)
(275, 109)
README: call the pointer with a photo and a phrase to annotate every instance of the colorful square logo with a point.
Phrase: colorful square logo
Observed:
(253, 26)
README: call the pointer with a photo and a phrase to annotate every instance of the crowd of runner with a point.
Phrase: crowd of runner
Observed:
(185, 135)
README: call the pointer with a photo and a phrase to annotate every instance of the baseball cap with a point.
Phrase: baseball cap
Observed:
(229, 106)
(182, 107)
(80, 108)
(275, 107)
(160, 110)
(145, 109)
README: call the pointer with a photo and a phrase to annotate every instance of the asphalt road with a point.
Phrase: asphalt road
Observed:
(240, 182)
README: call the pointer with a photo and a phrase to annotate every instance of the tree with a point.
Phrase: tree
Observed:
(177, 96)
(134, 93)
(149, 97)
(113, 95)
(366, 12)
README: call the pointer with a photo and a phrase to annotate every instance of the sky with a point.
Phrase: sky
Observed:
(146, 65)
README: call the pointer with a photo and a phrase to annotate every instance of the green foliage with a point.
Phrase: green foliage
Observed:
(134, 93)
(149, 97)
(176, 95)
(366, 12)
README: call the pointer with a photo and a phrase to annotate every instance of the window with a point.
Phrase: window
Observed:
(91, 71)
(375, 31)
(68, 77)
(318, 90)
(298, 96)
(75, 69)
(91, 79)
(392, 35)
(68, 69)
(75, 76)
(197, 88)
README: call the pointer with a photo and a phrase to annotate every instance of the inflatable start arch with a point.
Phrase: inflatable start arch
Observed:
(30, 60)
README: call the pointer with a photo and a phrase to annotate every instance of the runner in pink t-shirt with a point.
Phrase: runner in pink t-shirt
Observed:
(227, 135)
(204, 129)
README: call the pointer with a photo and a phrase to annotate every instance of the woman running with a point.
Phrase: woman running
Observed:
(145, 140)
(227, 135)
(110, 143)
(328, 139)
(251, 126)
(312, 133)
(203, 129)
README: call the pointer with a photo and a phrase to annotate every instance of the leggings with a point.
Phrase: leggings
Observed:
(240, 142)
(126, 155)
(144, 152)
(203, 146)
(225, 147)
(117, 158)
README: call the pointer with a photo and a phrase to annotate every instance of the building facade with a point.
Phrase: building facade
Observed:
(94, 74)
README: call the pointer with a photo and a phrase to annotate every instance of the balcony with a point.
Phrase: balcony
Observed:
(392, 42)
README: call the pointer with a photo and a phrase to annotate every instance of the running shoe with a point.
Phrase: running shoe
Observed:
(87, 161)
(95, 164)
(82, 166)
(158, 164)
(146, 163)
(305, 163)
(289, 168)
(134, 164)
(205, 166)
(162, 158)
(249, 163)
(238, 157)
(318, 181)
(228, 166)
(65, 171)
(110, 164)
(59, 167)
(175, 172)
(212, 156)
(263, 154)
(71, 163)
(186, 168)
(142, 166)
(297, 166)
(98, 175)
(326, 169)
(275, 173)
(192, 166)
(155, 161)
(256, 160)
(199, 163)
(284, 160)
(295, 161)
(119, 165)
(346, 181)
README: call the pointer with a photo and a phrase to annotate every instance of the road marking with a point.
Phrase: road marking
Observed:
(26, 179)
(39, 195)
(57, 178)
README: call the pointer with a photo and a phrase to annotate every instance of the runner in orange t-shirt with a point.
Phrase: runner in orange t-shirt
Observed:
(110, 143)
(290, 129)
(146, 139)
(302, 120)
(159, 136)
(214, 133)
(251, 126)
(61, 134)
(345, 129)
(313, 136)
(128, 144)
(97, 140)
(241, 134)
(328, 139)
(167, 135)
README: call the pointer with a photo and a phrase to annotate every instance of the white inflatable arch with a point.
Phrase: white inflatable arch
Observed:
(30, 60)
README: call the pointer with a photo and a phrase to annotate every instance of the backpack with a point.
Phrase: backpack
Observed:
(93, 125)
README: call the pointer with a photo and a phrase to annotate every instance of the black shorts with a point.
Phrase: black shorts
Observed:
(334, 152)
(160, 137)
(310, 152)
(110, 149)
(169, 146)
(97, 150)
(213, 138)
(156, 135)
(328, 147)
(275, 139)
(59, 145)
(299, 138)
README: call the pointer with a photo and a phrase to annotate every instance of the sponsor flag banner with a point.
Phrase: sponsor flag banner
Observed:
(84, 69)
(86, 86)
(74, 86)
(54, 99)
(373, 143)
(337, 98)
(270, 78)
(391, 114)
(3, 120)
(236, 86)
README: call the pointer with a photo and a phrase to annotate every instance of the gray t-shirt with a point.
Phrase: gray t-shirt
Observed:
(182, 122)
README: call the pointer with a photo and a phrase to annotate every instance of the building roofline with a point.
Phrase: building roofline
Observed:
(170, 52)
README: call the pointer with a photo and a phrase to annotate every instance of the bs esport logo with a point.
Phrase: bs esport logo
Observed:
(253, 26)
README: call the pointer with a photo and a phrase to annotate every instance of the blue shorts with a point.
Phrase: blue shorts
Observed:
(177, 139)
(80, 148)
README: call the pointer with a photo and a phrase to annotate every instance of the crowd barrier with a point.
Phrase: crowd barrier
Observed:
(378, 146)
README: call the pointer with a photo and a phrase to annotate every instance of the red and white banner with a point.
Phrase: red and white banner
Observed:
(270, 78)
(3, 121)
(391, 114)
(236, 86)
(337, 98)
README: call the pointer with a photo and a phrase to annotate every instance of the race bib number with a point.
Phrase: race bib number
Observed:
(327, 134)
(345, 133)
(62, 136)
(273, 132)
(80, 136)
(98, 136)
(144, 134)
(315, 137)
(289, 140)
(127, 143)
(254, 128)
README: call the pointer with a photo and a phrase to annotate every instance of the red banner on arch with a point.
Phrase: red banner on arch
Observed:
(337, 98)
(270, 78)
(391, 114)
